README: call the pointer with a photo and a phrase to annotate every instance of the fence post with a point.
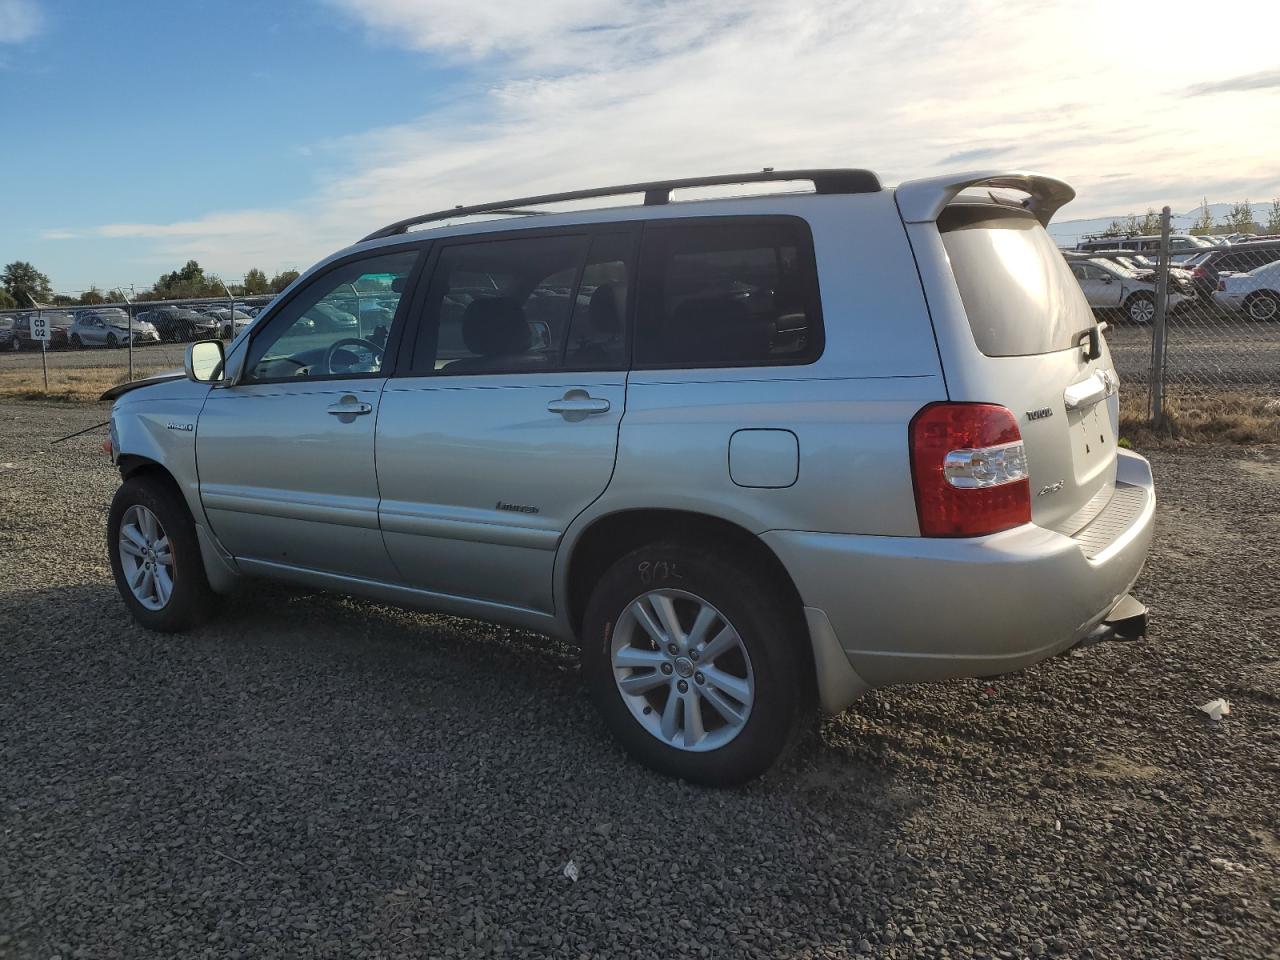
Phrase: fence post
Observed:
(44, 362)
(128, 312)
(1158, 331)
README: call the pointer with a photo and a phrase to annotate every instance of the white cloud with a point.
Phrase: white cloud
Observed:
(20, 20)
(577, 93)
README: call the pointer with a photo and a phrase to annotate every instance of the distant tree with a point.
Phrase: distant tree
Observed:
(256, 282)
(6, 300)
(25, 283)
(1150, 222)
(1240, 219)
(62, 300)
(189, 282)
(1204, 220)
(282, 280)
(92, 296)
(1273, 217)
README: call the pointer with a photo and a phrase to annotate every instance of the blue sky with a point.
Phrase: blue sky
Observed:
(268, 134)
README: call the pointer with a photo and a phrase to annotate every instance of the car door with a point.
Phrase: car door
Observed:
(504, 424)
(1095, 289)
(285, 452)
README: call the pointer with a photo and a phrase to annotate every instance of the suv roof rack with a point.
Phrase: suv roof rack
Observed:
(656, 193)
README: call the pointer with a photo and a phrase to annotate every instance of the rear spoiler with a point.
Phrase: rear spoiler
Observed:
(921, 201)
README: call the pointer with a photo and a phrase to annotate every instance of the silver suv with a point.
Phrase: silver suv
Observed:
(750, 453)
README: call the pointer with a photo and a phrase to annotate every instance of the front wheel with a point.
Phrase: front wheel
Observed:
(76, 343)
(112, 342)
(1263, 306)
(155, 556)
(1140, 308)
(15, 344)
(693, 663)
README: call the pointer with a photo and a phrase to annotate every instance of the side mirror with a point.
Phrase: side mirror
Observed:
(204, 361)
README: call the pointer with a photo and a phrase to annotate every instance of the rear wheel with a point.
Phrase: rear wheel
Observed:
(1140, 308)
(226, 332)
(155, 556)
(15, 344)
(76, 343)
(1264, 305)
(112, 342)
(693, 663)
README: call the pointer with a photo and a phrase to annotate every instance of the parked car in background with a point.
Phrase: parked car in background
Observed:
(8, 335)
(109, 328)
(59, 324)
(747, 452)
(1108, 285)
(178, 324)
(1182, 246)
(1237, 258)
(1256, 293)
(228, 322)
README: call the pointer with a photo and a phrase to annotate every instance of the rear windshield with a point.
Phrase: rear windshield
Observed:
(1018, 291)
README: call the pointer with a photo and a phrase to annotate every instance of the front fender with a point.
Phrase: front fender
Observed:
(157, 425)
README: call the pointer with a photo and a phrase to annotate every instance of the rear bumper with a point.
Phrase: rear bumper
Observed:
(909, 609)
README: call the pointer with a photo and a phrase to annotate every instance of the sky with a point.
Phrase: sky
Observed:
(138, 135)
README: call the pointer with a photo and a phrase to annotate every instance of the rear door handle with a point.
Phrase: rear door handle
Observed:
(578, 405)
(348, 408)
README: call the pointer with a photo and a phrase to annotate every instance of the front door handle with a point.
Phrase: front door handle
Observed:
(578, 405)
(348, 408)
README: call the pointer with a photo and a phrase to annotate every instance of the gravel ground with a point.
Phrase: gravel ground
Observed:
(324, 777)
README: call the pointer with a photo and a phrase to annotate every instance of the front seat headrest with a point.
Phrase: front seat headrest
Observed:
(604, 312)
(495, 326)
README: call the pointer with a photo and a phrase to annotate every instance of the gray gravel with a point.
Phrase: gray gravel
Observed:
(314, 776)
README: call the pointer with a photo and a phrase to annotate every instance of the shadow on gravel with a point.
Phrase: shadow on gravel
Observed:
(323, 775)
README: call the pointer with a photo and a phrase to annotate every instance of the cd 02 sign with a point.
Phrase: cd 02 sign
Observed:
(39, 328)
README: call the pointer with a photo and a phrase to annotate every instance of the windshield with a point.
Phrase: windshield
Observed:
(1019, 293)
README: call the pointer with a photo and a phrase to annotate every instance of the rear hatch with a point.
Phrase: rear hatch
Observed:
(1040, 352)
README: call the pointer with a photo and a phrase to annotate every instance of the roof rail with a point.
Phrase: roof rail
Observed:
(656, 193)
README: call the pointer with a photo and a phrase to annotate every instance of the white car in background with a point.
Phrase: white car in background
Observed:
(1256, 293)
(1108, 285)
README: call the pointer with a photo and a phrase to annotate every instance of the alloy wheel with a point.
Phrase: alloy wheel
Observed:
(682, 670)
(1142, 310)
(146, 556)
(1264, 307)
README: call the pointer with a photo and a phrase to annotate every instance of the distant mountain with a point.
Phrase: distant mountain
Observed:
(1067, 232)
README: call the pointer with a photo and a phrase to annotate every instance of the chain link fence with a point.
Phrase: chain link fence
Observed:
(92, 348)
(1190, 320)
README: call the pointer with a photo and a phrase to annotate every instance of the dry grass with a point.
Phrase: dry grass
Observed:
(1237, 418)
(72, 386)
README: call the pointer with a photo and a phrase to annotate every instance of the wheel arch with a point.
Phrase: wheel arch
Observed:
(612, 535)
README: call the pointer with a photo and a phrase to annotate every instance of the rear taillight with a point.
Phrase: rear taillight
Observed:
(1199, 272)
(969, 468)
(1222, 285)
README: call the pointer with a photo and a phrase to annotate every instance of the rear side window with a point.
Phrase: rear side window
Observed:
(728, 293)
(500, 306)
(1018, 291)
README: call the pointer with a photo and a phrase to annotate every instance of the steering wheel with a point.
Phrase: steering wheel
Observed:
(349, 341)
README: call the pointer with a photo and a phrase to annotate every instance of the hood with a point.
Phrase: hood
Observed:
(119, 390)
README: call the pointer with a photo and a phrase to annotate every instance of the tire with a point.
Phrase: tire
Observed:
(226, 332)
(188, 333)
(1263, 305)
(112, 342)
(766, 652)
(76, 342)
(15, 344)
(1140, 308)
(190, 600)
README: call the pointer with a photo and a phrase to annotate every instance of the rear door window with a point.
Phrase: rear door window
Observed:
(1018, 291)
(717, 293)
